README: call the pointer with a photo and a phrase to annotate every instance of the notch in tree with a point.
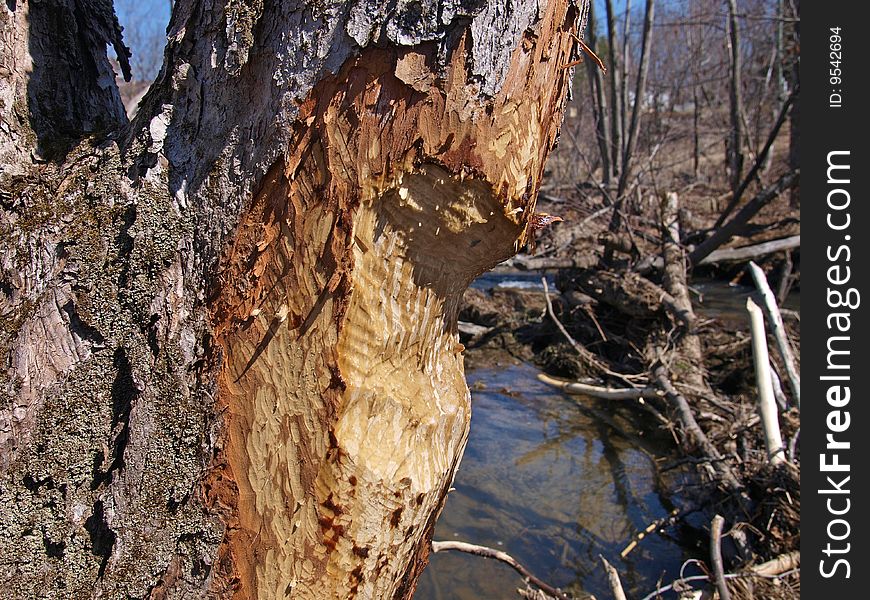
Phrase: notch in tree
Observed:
(277, 246)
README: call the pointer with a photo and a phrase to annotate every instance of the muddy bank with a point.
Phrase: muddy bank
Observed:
(617, 320)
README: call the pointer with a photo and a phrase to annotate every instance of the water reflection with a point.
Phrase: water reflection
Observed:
(555, 485)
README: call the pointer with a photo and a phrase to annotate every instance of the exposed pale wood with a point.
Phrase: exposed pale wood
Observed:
(472, 329)
(778, 565)
(766, 402)
(771, 309)
(342, 464)
(613, 579)
(231, 323)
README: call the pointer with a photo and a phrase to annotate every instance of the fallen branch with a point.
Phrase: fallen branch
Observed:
(779, 333)
(613, 579)
(778, 565)
(766, 403)
(693, 430)
(503, 557)
(602, 392)
(729, 254)
(716, 557)
(753, 251)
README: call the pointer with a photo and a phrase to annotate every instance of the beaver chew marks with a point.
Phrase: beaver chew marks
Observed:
(346, 410)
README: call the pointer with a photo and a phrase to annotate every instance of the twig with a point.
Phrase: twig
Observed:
(693, 430)
(613, 579)
(441, 546)
(588, 52)
(716, 557)
(649, 529)
(779, 333)
(583, 352)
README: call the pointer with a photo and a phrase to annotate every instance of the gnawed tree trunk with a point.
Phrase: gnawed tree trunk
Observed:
(230, 325)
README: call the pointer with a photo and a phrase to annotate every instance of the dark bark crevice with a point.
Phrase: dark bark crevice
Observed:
(101, 535)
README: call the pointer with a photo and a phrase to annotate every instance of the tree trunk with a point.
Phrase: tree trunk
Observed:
(599, 97)
(735, 88)
(230, 325)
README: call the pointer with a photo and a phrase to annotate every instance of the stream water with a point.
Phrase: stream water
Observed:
(554, 482)
(557, 480)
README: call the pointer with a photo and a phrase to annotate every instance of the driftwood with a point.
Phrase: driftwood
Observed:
(484, 551)
(766, 403)
(779, 334)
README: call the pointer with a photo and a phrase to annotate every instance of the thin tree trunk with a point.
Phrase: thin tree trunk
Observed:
(795, 113)
(596, 86)
(736, 135)
(615, 69)
(640, 91)
(231, 324)
(626, 70)
(696, 138)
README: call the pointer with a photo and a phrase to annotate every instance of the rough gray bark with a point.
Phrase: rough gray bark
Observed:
(129, 465)
(734, 150)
